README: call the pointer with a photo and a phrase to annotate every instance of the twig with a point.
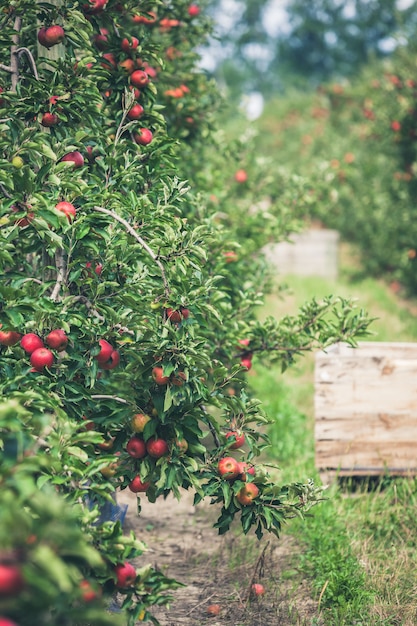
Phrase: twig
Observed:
(61, 270)
(104, 397)
(5, 192)
(322, 594)
(6, 68)
(200, 603)
(139, 239)
(32, 63)
(255, 571)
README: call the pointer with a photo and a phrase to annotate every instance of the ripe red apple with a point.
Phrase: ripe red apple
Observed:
(230, 256)
(40, 358)
(9, 337)
(31, 342)
(109, 61)
(247, 494)
(135, 112)
(241, 176)
(94, 6)
(142, 19)
(128, 66)
(257, 589)
(246, 469)
(129, 44)
(239, 437)
(139, 421)
(105, 351)
(193, 10)
(57, 339)
(137, 486)
(139, 78)
(5, 621)
(143, 137)
(246, 362)
(101, 39)
(157, 447)
(213, 609)
(136, 447)
(11, 580)
(49, 119)
(396, 126)
(112, 362)
(177, 315)
(88, 593)
(51, 36)
(67, 209)
(158, 376)
(125, 575)
(178, 379)
(228, 468)
(76, 157)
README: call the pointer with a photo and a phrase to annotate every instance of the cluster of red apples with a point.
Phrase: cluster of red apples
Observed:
(230, 469)
(41, 355)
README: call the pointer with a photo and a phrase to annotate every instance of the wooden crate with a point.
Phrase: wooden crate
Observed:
(366, 409)
(314, 252)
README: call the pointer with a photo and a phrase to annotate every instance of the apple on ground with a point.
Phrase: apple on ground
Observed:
(125, 575)
(213, 609)
(144, 137)
(239, 439)
(136, 447)
(137, 486)
(31, 342)
(67, 209)
(247, 494)
(57, 339)
(257, 589)
(228, 468)
(41, 358)
(139, 421)
(157, 447)
(11, 580)
(158, 376)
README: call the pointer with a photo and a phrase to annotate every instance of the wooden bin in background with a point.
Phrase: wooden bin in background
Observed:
(366, 409)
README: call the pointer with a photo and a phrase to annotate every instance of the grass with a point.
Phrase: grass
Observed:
(358, 550)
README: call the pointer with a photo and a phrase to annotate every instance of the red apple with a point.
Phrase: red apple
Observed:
(193, 10)
(128, 66)
(139, 421)
(5, 621)
(94, 6)
(157, 447)
(101, 40)
(67, 209)
(241, 176)
(142, 19)
(52, 35)
(40, 358)
(49, 119)
(139, 78)
(257, 589)
(135, 112)
(112, 362)
(246, 469)
(129, 44)
(178, 379)
(105, 351)
(247, 494)
(177, 315)
(396, 126)
(143, 137)
(42, 37)
(136, 447)
(110, 62)
(9, 337)
(246, 362)
(239, 439)
(125, 575)
(228, 468)
(11, 580)
(244, 343)
(230, 256)
(213, 609)
(158, 376)
(76, 157)
(88, 593)
(31, 342)
(57, 339)
(137, 486)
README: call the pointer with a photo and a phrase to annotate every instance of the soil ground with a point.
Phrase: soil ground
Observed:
(183, 544)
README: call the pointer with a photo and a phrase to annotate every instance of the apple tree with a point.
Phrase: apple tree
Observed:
(127, 306)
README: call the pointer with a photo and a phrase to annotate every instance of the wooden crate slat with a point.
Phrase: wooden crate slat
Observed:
(334, 454)
(385, 427)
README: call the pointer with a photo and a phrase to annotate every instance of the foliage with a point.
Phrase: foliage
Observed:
(104, 243)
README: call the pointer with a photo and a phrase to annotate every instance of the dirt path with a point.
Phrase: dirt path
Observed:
(218, 570)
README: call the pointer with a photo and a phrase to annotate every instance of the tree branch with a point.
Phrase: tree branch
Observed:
(139, 239)
(61, 271)
(14, 59)
(6, 68)
(32, 63)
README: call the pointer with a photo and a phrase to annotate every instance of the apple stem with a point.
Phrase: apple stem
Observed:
(139, 239)
(32, 63)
